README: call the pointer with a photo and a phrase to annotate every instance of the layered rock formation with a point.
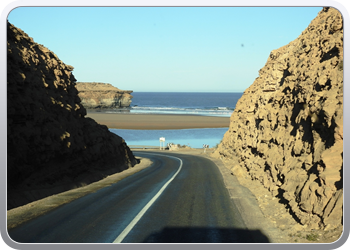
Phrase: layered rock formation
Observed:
(287, 129)
(51, 146)
(103, 96)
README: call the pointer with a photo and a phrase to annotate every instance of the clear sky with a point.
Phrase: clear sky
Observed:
(200, 49)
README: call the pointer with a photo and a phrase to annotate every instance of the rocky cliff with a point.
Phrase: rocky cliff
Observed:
(102, 96)
(51, 146)
(287, 129)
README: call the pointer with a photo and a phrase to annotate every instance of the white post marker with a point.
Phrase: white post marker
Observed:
(162, 143)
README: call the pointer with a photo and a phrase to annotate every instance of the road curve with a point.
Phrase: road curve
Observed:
(179, 199)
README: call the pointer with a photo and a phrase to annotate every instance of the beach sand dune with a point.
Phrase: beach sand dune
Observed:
(156, 121)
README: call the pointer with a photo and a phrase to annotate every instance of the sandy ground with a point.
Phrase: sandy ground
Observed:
(157, 122)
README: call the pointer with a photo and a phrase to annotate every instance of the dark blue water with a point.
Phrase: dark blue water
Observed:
(208, 104)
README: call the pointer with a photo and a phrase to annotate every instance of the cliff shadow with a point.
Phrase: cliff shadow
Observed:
(286, 73)
(285, 202)
(339, 184)
(206, 235)
(320, 125)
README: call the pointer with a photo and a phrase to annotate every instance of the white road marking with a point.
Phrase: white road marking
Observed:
(126, 231)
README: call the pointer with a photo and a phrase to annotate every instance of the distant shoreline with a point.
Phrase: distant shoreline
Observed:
(157, 121)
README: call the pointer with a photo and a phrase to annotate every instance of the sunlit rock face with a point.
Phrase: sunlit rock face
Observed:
(51, 146)
(103, 96)
(287, 129)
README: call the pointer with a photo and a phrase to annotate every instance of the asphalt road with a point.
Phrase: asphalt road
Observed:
(179, 199)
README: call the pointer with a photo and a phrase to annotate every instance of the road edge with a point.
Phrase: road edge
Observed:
(20, 215)
(247, 204)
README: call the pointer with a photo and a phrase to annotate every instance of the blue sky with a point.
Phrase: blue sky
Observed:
(200, 49)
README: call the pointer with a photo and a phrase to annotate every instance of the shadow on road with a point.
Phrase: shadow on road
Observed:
(206, 235)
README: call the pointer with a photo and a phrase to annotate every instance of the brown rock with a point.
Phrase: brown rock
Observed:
(287, 128)
(51, 146)
(102, 95)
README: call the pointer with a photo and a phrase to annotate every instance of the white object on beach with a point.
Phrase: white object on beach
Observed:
(162, 143)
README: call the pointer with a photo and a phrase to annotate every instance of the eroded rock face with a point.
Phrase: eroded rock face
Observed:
(103, 96)
(51, 146)
(287, 129)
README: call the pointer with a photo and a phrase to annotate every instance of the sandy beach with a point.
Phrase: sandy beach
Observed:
(157, 122)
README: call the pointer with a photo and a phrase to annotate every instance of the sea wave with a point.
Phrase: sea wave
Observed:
(210, 111)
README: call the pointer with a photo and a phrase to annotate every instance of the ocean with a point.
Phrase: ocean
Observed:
(207, 104)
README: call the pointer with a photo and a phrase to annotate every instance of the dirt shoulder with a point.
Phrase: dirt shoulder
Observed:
(29, 211)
